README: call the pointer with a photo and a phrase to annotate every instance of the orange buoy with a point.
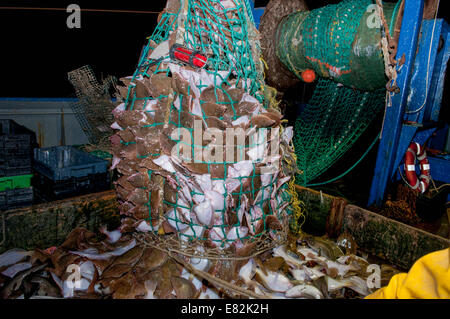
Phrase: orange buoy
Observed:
(308, 76)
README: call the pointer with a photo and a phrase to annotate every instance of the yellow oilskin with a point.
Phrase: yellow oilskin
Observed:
(429, 278)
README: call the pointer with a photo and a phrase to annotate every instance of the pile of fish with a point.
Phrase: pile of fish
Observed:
(159, 190)
(89, 266)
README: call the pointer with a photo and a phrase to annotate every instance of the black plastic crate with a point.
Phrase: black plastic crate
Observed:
(17, 161)
(61, 163)
(16, 198)
(17, 152)
(16, 149)
(15, 136)
(49, 190)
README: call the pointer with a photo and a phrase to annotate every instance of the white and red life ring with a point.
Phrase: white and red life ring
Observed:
(417, 152)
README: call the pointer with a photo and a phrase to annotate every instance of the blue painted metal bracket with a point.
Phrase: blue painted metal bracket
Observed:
(394, 115)
(439, 168)
(257, 13)
(423, 94)
(421, 82)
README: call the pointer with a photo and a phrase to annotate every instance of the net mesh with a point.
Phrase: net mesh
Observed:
(93, 105)
(330, 124)
(165, 100)
(339, 42)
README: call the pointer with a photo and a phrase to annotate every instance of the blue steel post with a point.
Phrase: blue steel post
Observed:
(438, 79)
(420, 89)
(407, 45)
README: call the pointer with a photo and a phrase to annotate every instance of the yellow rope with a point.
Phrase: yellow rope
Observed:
(298, 206)
(265, 66)
(298, 209)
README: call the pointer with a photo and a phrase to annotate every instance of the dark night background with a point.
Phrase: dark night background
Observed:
(37, 48)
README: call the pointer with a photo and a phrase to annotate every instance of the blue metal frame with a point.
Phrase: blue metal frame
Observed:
(416, 36)
(257, 13)
(394, 115)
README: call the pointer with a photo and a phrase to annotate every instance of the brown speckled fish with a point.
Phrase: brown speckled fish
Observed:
(138, 197)
(148, 145)
(123, 182)
(152, 259)
(139, 87)
(126, 167)
(241, 109)
(126, 135)
(147, 163)
(272, 222)
(164, 289)
(184, 289)
(160, 84)
(261, 121)
(125, 208)
(139, 180)
(214, 122)
(129, 152)
(156, 196)
(141, 212)
(213, 109)
(132, 118)
(180, 85)
(236, 94)
(167, 144)
(211, 94)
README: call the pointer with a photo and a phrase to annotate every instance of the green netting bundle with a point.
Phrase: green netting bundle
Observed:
(330, 124)
(342, 44)
(224, 190)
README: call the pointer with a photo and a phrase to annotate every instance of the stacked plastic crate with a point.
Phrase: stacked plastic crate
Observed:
(65, 171)
(16, 158)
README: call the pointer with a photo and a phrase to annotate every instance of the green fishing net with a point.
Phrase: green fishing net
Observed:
(223, 31)
(330, 124)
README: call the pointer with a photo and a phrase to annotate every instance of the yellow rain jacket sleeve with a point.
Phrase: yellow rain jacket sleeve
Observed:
(429, 278)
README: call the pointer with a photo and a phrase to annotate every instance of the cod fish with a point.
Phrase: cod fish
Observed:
(94, 255)
(273, 281)
(304, 291)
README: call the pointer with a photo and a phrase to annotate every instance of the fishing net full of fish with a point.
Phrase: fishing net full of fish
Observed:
(203, 159)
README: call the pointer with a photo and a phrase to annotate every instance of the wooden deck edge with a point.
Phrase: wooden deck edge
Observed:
(393, 241)
(48, 224)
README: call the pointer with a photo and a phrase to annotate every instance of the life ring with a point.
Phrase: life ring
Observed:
(417, 152)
